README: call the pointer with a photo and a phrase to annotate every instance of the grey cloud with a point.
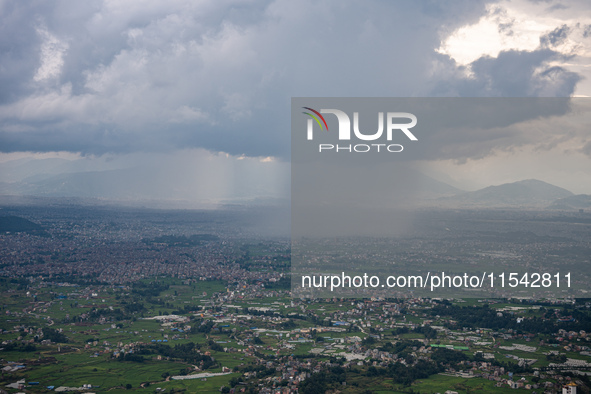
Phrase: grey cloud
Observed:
(489, 126)
(555, 37)
(586, 149)
(18, 39)
(219, 75)
(512, 74)
(557, 7)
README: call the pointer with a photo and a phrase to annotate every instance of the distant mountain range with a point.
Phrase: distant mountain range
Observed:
(60, 178)
(530, 193)
(150, 184)
(431, 188)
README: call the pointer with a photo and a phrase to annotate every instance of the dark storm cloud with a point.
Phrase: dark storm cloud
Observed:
(102, 76)
(513, 74)
(19, 60)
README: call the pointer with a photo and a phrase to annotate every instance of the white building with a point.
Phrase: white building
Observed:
(570, 388)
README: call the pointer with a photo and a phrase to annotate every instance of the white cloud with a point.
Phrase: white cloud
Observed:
(522, 25)
(51, 54)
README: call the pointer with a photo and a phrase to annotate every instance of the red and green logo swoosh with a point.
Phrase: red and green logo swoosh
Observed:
(316, 117)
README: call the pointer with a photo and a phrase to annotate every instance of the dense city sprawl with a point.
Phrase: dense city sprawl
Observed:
(114, 300)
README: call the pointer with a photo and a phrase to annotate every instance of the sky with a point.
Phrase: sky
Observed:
(191, 99)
